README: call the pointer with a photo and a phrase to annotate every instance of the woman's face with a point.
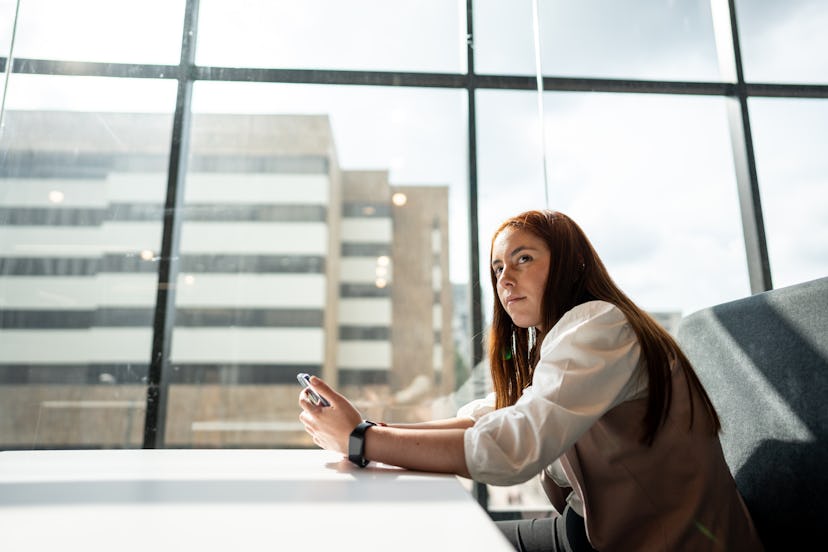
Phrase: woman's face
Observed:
(520, 261)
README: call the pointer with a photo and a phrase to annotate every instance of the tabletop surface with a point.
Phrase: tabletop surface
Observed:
(204, 500)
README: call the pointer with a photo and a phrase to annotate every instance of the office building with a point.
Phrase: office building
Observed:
(286, 264)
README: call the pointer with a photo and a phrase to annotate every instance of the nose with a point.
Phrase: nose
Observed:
(506, 278)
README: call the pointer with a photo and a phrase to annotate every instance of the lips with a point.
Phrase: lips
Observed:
(511, 300)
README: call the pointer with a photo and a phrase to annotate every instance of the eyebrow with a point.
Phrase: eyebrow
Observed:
(514, 252)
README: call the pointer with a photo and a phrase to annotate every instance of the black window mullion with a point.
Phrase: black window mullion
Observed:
(479, 490)
(164, 320)
(747, 180)
(417, 80)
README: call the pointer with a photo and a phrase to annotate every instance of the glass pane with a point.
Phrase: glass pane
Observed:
(784, 41)
(95, 30)
(79, 235)
(650, 180)
(651, 39)
(648, 177)
(380, 35)
(317, 239)
(91, 94)
(790, 139)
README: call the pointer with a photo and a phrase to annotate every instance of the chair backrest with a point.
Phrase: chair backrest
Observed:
(764, 362)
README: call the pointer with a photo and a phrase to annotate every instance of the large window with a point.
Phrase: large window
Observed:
(200, 199)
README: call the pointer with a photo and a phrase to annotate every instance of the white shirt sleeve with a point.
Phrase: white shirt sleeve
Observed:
(587, 366)
(477, 408)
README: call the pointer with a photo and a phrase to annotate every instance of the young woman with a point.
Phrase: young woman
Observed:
(590, 392)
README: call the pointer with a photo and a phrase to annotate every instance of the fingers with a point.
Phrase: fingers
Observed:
(310, 427)
(319, 392)
(304, 400)
(322, 388)
(328, 426)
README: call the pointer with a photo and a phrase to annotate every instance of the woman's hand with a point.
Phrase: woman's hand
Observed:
(330, 426)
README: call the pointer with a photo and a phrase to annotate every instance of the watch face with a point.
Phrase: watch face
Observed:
(356, 446)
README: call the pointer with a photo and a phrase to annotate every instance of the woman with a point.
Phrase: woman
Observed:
(590, 392)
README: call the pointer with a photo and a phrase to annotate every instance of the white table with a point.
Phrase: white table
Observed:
(231, 500)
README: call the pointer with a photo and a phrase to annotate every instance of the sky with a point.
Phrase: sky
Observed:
(650, 178)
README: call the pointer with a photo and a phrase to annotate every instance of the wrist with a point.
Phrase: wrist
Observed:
(356, 443)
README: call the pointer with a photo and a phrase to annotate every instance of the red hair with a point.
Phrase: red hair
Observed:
(576, 276)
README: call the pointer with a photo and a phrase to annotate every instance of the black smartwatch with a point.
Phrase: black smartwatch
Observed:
(356, 444)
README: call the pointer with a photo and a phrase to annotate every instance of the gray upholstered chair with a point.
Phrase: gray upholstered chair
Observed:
(764, 362)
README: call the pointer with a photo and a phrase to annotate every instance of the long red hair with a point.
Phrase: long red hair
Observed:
(577, 275)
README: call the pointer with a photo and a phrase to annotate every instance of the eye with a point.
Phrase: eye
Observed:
(524, 258)
(497, 270)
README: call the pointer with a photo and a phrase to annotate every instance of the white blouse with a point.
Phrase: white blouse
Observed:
(587, 366)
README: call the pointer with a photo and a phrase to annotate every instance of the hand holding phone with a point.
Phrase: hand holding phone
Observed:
(314, 397)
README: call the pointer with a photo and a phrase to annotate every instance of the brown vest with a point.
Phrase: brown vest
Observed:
(677, 494)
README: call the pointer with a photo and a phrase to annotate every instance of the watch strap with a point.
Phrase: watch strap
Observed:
(356, 444)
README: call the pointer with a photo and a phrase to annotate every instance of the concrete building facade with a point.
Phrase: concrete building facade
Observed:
(287, 263)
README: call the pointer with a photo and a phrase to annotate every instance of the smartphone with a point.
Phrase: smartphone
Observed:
(315, 397)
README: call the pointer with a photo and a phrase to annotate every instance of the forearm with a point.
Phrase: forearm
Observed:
(432, 450)
(431, 446)
(447, 423)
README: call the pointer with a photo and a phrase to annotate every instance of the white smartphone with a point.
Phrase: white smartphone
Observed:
(315, 397)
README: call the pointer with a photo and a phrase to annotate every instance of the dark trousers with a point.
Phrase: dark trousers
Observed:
(563, 533)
